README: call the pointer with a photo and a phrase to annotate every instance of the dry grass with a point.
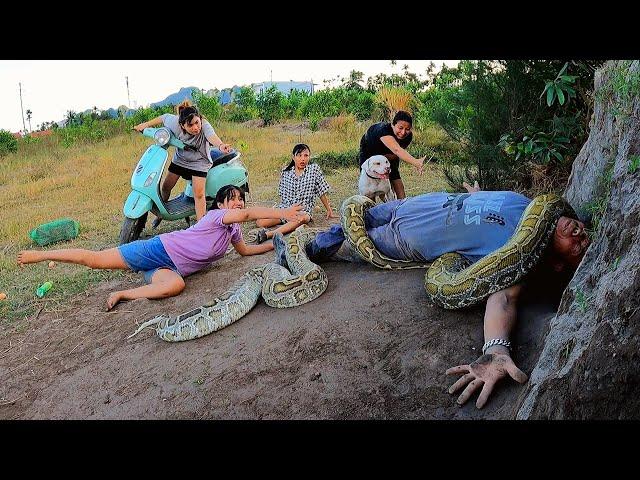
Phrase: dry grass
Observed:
(90, 183)
(394, 99)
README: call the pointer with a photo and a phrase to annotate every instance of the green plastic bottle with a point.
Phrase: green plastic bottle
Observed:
(43, 289)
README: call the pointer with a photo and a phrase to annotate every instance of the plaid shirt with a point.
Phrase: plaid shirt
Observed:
(304, 189)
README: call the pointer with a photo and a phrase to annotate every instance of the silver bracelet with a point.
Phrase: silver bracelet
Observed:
(496, 341)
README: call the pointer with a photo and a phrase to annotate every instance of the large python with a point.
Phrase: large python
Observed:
(450, 282)
(279, 287)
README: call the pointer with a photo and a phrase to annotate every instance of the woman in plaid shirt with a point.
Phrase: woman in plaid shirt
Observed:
(302, 184)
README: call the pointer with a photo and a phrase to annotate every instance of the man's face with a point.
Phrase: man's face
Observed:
(570, 241)
(401, 129)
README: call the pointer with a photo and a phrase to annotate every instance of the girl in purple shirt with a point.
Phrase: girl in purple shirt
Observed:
(167, 258)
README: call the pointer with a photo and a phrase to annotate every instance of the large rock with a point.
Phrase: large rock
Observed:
(588, 367)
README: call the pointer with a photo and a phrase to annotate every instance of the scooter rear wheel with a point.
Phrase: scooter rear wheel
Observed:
(132, 228)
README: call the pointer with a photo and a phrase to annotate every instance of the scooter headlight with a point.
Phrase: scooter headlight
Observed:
(149, 179)
(162, 136)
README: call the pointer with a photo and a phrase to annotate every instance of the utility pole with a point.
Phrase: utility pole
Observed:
(24, 127)
(271, 72)
(128, 99)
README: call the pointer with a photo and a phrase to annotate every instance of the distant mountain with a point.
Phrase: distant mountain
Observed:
(224, 96)
(185, 93)
(112, 112)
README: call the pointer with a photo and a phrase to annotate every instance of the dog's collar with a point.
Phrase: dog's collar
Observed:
(375, 178)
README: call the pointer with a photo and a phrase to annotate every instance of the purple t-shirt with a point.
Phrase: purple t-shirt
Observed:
(202, 244)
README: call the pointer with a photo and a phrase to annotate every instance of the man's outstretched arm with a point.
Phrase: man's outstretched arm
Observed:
(495, 363)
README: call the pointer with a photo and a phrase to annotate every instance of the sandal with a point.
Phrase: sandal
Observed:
(262, 235)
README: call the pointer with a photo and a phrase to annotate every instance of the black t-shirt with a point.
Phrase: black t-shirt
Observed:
(370, 143)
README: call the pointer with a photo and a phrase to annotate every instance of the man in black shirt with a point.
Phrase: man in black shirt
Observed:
(391, 140)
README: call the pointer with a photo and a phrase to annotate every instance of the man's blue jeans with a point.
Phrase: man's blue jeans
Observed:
(376, 220)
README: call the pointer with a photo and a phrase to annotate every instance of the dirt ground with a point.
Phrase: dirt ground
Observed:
(369, 348)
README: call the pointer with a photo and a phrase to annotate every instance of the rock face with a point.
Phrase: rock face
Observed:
(589, 365)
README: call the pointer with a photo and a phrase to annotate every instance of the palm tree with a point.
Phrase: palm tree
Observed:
(353, 81)
(29, 112)
(70, 118)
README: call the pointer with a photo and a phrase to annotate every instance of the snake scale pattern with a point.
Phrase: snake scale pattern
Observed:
(279, 287)
(450, 282)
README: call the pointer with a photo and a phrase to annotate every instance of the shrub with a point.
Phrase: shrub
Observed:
(92, 131)
(234, 113)
(243, 107)
(146, 114)
(8, 143)
(314, 122)
(328, 160)
(321, 104)
(30, 140)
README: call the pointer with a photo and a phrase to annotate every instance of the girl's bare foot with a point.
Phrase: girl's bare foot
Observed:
(29, 256)
(113, 299)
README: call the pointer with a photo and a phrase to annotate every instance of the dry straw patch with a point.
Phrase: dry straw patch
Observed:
(393, 99)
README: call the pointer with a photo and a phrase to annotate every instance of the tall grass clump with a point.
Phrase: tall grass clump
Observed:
(390, 100)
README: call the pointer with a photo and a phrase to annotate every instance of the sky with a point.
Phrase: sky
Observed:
(52, 87)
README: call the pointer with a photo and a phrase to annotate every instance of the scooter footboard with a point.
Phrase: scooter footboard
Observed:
(137, 204)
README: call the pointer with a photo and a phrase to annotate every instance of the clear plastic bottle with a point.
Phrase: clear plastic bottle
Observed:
(43, 289)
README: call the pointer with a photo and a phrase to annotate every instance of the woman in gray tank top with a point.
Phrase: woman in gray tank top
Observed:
(193, 162)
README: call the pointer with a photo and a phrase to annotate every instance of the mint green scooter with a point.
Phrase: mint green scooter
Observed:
(227, 169)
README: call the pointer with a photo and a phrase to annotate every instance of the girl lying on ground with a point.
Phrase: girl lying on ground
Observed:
(168, 257)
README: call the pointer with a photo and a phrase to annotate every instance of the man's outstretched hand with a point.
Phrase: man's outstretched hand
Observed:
(470, 189)
(484, 372)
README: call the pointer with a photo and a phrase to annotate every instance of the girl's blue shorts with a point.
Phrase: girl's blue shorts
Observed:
(146, 256)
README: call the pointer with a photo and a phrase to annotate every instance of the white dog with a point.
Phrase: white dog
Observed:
(374, 179)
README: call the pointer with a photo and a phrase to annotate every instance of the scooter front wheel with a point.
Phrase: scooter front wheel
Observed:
(132, 228)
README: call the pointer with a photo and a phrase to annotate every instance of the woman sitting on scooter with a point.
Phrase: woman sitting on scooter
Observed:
(166, 258)
(194, 161)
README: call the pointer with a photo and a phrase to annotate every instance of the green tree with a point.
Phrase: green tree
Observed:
(243, 107)
(293, 103)
(269, 103)
(495, 111)
(246, 98)
(71, 118)
(352, 82)
(29, 113)
(209, 107)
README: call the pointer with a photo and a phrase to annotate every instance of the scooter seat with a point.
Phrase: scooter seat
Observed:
(219, 158)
